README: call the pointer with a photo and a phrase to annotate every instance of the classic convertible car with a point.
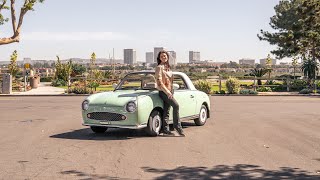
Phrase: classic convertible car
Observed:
(135, 104)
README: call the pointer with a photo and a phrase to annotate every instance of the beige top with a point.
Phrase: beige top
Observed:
(164, 79)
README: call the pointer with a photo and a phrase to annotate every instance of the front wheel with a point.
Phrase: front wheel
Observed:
(98, 129)
(154, 123)
(203, 116)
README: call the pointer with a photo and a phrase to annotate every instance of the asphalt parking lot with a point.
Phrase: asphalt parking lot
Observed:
(248, 137)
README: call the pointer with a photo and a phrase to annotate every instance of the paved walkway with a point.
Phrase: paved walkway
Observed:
(44, 88)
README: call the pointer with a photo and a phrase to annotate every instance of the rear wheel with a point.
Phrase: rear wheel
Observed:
(203, 116)
(154, 123)
(98, 129)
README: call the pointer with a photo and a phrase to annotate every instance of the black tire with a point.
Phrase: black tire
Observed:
(203, 116)
(154, 123)
(98, 129)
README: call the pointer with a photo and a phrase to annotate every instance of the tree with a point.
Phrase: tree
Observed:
(258, 72)
(309, 69)
(13, 67)
(294, 64)
(297, 29)
(63, 71)
(268, 64)
(107, 74)
(77, 69)
(27, 6)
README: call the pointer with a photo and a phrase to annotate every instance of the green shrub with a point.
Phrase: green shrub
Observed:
(203, 85)
(93, 85)
(264, 89)
(46, 79)
(306, 91)
(298, 84)
(248, 91)
(220, 92)
(233, 85)
(79, 90)
(58, 82)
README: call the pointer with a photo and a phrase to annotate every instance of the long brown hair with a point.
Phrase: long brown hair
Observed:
(167, 65)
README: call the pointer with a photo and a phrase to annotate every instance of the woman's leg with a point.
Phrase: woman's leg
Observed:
(166, 111)
(176, 118)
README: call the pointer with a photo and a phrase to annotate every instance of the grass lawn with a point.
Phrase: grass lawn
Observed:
(215, 86)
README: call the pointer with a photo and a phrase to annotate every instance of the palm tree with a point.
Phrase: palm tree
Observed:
(259, 72)
(309, 68)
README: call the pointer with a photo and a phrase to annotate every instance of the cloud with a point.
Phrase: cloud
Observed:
(73, 36)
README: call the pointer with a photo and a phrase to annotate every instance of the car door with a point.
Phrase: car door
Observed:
(185, 97)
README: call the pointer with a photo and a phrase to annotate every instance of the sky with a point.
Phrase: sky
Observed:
(220, 30)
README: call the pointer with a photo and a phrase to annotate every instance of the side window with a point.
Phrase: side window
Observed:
(179, 80)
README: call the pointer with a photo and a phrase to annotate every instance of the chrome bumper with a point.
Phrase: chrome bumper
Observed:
(117, 126)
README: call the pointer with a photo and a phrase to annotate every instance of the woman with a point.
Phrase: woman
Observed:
(164, 80)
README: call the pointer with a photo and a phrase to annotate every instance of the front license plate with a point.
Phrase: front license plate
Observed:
(105, 122)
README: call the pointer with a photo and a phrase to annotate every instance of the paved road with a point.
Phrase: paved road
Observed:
(247, 138)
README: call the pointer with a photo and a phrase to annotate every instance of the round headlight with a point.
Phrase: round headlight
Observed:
(85, 105)
(131, 106)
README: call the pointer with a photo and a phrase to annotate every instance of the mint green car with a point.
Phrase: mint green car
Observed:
(135, 104)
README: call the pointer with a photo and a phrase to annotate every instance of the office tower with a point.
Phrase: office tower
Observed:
(149, 57)
(250, 62)
(194, 56)
(129, 56)
(172, 57)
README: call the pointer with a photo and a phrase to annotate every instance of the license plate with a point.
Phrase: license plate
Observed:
(105, 122)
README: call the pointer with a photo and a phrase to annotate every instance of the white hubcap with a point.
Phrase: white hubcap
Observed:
(203, 115)
(157, 123)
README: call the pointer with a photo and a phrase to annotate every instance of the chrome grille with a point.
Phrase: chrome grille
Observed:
(106, 116)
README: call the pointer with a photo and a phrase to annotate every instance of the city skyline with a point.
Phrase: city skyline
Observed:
(221, 31)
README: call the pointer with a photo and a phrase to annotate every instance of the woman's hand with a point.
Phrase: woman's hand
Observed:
(170, 96)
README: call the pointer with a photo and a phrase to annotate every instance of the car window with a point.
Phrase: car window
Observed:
(179, 80)
(138, 81)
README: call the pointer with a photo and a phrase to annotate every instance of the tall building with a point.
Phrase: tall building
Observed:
(156, 52)
(172, 57)
(263, 62)
(149, 57)
(129, 56)
(194, 56)
(250, 62)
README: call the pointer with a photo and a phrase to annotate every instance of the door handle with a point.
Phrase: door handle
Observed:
(191, 96)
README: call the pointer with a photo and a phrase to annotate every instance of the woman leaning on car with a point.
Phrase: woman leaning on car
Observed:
(164, 80)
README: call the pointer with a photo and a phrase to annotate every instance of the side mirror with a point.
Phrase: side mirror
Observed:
(114, 85)
(176, 86)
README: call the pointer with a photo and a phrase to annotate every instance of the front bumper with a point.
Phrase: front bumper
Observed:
(117, 126)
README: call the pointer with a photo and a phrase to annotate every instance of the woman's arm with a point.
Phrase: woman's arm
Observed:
(159, 80)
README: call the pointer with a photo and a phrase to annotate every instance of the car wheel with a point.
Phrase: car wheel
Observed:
(98, 129)
(203, 116)
(154, 123)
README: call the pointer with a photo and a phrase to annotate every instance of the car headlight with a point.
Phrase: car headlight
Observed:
(131, 106)
(85, 105)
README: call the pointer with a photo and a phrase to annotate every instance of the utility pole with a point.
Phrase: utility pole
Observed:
(113, 63)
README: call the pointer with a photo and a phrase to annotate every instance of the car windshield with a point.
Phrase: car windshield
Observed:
(138, 81)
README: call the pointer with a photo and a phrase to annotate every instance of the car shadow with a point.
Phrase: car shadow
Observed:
(226, 172)
(111, 134)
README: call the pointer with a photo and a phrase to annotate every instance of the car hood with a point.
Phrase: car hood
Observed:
(117, 98)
